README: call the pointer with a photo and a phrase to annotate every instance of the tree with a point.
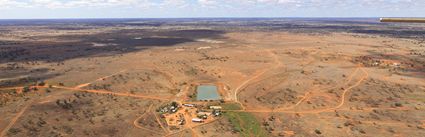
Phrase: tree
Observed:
(42, 83)
(174, 104)
(318, 131)
(26, 89)
(58, 102)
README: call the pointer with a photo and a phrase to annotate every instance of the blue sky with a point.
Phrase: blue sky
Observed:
(18, 9)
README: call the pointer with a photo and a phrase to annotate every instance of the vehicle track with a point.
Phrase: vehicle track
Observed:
(308, 94)
(236, 91)
(112, 93)
(159, 122)
(99, 79)
(135, 122)
(364, 77)
(351, 87)
(13, 121)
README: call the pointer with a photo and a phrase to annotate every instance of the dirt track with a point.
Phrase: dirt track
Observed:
(99, 79)
(13, 121)
(136, 124)
(256, 76)
(113, 93)
(341, 103)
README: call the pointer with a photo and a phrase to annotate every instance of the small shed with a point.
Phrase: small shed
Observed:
(197, 120)
(216, 107)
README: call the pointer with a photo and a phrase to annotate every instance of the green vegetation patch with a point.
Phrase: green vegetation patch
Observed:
(417, 97)
(246, 124)
(232, 106)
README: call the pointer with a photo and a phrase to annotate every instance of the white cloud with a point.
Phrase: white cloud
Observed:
(207, 2)
(54, 4)
(173, 4)
(219, 3)
(12, 4)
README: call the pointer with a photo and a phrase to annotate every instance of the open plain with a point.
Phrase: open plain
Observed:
(276, 77)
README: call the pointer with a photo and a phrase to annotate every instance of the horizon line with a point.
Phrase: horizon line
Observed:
(204, 18)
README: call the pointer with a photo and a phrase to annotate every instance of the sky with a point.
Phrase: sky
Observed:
(45, 9)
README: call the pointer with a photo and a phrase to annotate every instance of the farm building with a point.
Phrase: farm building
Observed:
(197, 120)
(215, 107)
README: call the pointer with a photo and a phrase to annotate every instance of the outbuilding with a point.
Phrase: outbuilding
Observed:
(189, 105)
(215, 107)
(197, 120)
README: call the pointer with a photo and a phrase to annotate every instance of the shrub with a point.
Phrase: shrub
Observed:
(318, 131)
(42, 83)
(26, 89)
